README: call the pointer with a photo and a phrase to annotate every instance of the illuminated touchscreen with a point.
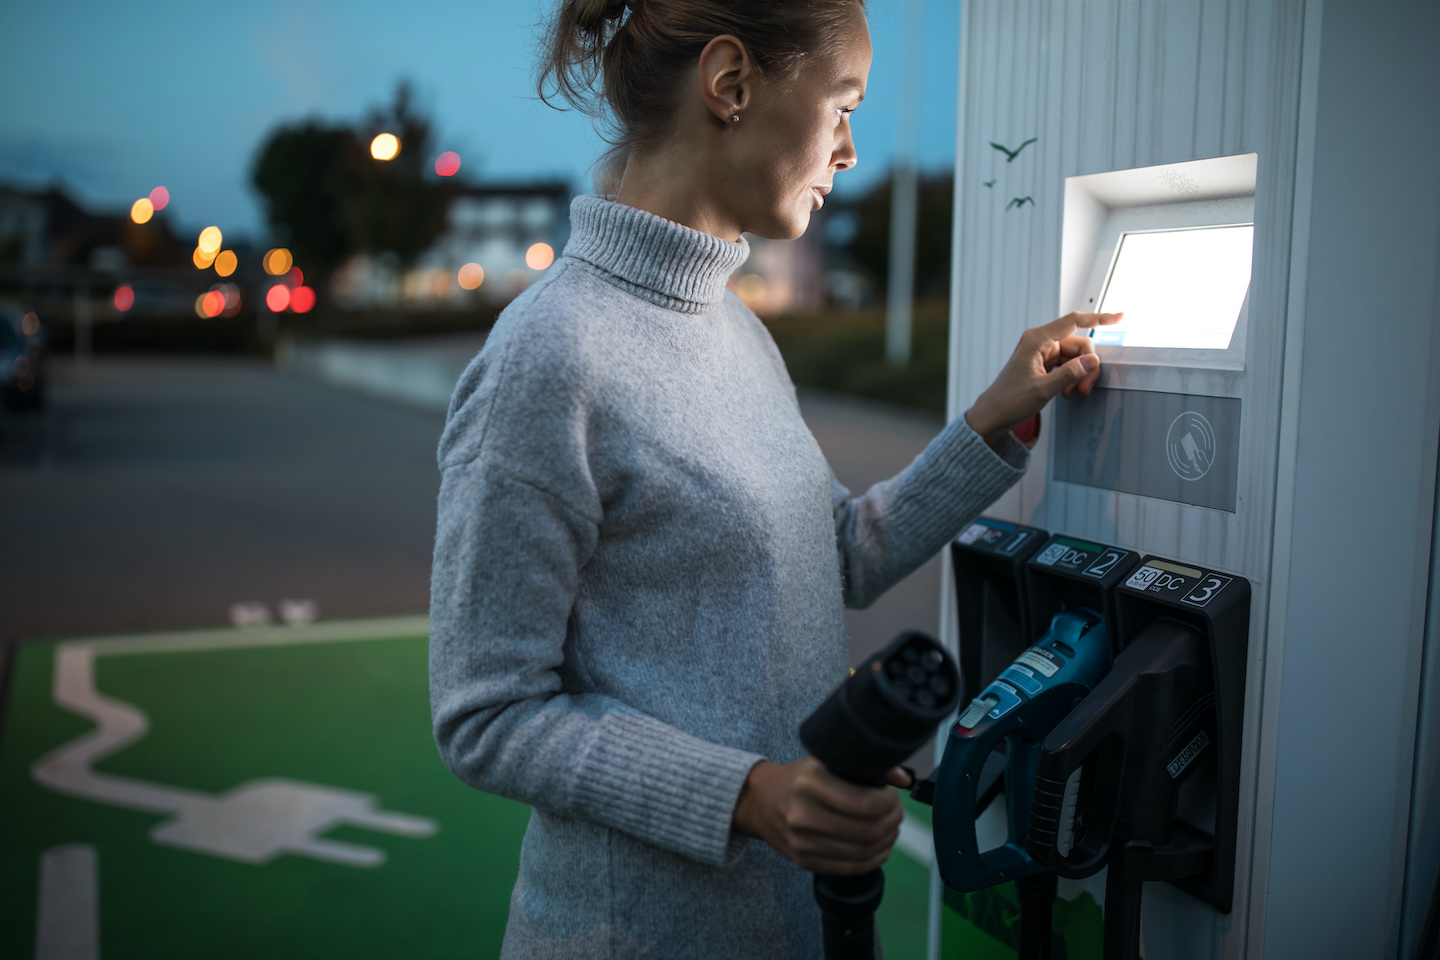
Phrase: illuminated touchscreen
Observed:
(1178, 288)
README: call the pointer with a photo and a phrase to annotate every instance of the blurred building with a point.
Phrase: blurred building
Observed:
(48, 228)
(805, 275)
(499, 238)
(783, 276)
(53, 252)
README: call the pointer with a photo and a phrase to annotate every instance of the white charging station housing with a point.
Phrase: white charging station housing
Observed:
(1302, 455)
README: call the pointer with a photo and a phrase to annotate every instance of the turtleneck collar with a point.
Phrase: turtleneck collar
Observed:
(653, 258)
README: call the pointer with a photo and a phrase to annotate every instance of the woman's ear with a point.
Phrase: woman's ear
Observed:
(726, 77)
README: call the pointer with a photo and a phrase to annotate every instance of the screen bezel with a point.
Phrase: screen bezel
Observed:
(1230, 212)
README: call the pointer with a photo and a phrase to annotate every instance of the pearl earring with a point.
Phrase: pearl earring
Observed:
(735, 118)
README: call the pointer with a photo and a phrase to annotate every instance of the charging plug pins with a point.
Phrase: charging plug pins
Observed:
(917, 675)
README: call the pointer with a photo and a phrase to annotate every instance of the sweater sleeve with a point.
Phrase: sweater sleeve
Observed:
(887, 532)
(511, 717)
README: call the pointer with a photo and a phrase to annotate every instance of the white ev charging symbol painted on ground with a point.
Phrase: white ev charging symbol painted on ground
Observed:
(1190, 446)
(254, 822)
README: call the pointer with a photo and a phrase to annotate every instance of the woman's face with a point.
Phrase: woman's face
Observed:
(796, 136)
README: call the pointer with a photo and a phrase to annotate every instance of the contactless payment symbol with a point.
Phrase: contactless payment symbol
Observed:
(1190, 446)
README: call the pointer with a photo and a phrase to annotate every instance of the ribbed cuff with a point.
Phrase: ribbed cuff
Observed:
(956, 478)
(663, 786)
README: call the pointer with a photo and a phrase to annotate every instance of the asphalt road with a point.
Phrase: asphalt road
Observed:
(158, 493)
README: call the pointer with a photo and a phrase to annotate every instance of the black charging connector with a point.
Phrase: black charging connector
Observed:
(869, 725)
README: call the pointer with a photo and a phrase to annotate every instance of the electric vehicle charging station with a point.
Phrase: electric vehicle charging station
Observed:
(1272, 419)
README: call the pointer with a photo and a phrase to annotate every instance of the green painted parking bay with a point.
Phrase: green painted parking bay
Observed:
(259, 792)
(271, 791)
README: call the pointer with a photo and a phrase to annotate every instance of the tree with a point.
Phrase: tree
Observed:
(870, 245)
(400, 206)
(328, 199)
(304, 173)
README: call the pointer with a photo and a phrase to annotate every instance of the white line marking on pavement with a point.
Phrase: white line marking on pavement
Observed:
(67, 919)
(299, 613)
(249, 613)
(254, 822)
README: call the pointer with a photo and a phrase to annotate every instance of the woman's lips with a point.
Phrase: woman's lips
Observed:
(820, 193)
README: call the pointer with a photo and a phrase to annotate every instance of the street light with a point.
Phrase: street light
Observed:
(385, 146)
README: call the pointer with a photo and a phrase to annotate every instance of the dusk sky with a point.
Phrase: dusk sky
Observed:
(112, 99)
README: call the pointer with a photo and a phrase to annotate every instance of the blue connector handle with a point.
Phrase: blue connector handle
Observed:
(1033, 695)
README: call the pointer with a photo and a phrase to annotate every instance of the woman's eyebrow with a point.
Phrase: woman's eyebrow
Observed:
(852, 83)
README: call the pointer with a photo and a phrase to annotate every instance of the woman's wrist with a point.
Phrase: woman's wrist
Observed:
(985, 425)
(748, 806)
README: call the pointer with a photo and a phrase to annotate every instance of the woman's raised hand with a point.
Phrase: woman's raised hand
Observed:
(824, 823)
(1048, 360)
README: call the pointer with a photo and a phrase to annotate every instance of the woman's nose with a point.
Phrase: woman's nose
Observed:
(845, 157)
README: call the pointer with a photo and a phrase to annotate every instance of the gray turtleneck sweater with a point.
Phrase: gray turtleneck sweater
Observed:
(640, 576)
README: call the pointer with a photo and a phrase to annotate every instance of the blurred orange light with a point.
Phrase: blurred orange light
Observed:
(293, 278)
(226, 262)
(124, 297)
(539, 256)
(212, 304)
(448, 163)
(385, 146)
(278, 261)
(142, 210)
(202, 259)
(210, 240)
(471, 276)
(277, 298)
(159, 197)
(302, 299)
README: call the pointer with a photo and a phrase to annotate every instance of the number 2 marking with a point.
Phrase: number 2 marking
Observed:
(1204, 593)
(1103, 566)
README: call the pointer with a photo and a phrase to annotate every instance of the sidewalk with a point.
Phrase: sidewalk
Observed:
(420, 372)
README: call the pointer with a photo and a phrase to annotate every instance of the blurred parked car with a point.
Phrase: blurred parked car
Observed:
(22, 357)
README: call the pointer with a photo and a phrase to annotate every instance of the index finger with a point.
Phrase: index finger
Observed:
(1068, 324)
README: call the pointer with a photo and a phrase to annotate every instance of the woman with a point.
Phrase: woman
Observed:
(643, 559)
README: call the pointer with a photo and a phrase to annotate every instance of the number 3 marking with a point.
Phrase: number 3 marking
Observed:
(1206, 591)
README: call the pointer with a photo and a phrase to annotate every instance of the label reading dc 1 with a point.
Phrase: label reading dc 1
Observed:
(980, 533)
